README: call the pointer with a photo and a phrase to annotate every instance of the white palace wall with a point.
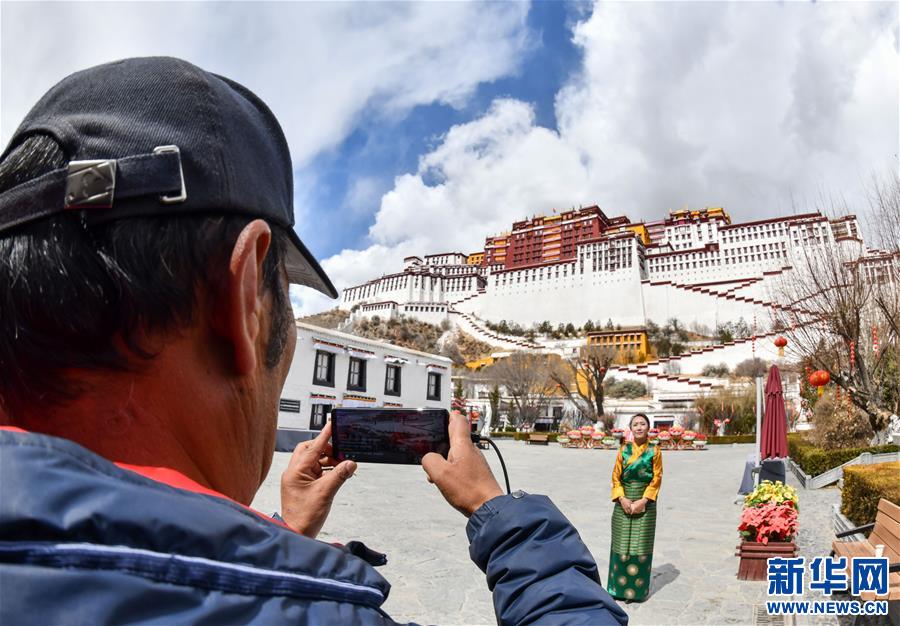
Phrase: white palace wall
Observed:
(664, 302)
(704, 273)
(566, 295)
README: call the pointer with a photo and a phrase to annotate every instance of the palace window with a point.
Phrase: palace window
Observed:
(434, 386)
(323, 373)
(356, 374)
(392, 380)
(319, 416)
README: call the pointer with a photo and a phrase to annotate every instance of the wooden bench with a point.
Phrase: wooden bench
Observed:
(541, 440)
(885, 531)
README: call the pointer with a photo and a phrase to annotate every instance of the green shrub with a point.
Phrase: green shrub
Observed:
(864, 486)
(838, 427)
(814, 460)
(716, 370)
(625, 388)
(503, 434)
(731, 439)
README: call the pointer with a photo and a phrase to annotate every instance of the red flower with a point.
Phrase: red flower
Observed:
(769, 522)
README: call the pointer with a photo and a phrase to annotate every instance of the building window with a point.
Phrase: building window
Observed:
(392, 380)
(434, 386)
(319, 416)
(323, 374)
(356, 375)
(289, 406)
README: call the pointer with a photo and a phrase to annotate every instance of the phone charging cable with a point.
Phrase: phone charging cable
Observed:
(477, 438)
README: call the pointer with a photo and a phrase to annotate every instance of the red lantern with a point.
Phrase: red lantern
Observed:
(819, 379)
(780, 343)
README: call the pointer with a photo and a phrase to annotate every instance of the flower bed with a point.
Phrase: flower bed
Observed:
(864, 485)
(814, 460)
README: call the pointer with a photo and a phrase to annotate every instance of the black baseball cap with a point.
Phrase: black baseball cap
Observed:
(160, 136)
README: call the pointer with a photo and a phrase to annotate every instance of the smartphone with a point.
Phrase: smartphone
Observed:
(402, 436)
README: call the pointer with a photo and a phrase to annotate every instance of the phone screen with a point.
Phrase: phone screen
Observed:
(389, 435)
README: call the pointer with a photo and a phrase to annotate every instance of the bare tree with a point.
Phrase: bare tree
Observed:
(844, 313)
(526, 378)
(884, 218)
(885, 268)
(580, 377)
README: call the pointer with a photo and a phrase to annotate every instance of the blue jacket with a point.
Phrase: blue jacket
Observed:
(83, 541)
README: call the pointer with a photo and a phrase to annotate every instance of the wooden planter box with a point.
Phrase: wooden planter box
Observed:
(754, 555)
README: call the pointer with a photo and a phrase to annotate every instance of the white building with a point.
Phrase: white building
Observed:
(663, 406)
(694, 266)
(333, 369)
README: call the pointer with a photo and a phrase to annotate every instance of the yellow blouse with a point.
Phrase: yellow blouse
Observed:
(652, 489)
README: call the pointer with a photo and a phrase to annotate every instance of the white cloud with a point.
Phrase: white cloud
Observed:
(737, 104)
(362, 194)
(750, 106)
(492, 171)
(318, 65)
(352, 267)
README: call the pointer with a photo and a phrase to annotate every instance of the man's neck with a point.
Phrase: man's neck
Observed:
(179, 421)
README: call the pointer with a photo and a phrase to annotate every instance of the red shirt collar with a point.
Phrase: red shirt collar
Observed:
(173, 478)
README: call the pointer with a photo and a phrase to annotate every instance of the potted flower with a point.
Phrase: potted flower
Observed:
(618, 433)
(575, 439)
(653, 436)
(677, 432)
(609, 441)
(776, 492)
(688, 437)
(768, 527)
(700, 441)
(664, 437)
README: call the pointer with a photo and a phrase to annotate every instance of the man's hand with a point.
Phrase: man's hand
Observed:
(464, 477)
(639, 506)
(627, 505)
(306, 490)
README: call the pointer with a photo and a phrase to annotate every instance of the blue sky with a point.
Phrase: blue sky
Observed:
(349, 181)
(422, 127)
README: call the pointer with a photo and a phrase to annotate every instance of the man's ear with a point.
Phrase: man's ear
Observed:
(243, 297)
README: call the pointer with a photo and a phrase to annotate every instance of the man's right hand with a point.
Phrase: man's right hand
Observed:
(464, 477)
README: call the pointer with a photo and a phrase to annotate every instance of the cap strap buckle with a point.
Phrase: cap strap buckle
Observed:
(91, 184)
(182, 195)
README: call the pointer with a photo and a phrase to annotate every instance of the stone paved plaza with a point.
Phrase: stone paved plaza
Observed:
(395, 510)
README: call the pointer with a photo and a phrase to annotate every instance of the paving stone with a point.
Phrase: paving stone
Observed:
(395, 510)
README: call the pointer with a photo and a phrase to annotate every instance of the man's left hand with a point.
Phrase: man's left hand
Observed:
(307, 491)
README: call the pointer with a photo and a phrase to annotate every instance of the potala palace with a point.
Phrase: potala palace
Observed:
(694, 265)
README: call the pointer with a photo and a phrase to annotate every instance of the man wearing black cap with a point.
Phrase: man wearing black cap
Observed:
(146, 245)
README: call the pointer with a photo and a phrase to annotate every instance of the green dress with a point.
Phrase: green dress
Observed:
(631, 550)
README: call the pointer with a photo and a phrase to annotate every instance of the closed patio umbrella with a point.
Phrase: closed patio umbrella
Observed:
(774, 430)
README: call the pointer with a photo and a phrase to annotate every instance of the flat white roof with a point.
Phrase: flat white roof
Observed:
(363, 341)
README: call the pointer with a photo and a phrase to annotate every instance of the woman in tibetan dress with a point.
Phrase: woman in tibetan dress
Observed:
(636, 479)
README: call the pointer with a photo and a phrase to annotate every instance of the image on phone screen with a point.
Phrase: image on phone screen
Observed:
(389, 435)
